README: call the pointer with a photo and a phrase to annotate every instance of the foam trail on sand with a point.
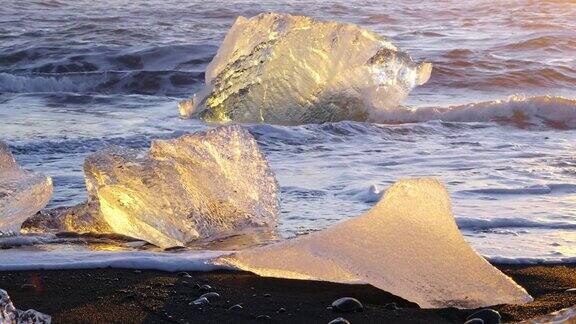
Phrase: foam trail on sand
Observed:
(22, 193)
(408, 245)
(33, 260)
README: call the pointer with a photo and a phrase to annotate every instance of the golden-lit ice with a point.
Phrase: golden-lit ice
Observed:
(408, 245)
(22, 192)
(284, 69)
(196, 187)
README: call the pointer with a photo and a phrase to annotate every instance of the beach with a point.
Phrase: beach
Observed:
(146, 296)
(168, 161)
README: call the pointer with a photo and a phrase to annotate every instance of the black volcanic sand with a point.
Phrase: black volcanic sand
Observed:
(133, 296)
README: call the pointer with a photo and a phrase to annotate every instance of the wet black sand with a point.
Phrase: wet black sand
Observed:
(133, 296)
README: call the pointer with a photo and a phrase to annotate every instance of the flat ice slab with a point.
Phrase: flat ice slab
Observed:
(408, 245)
(284, 69)
(22, 193)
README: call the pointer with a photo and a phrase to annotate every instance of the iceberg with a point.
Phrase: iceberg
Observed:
(283, 69)
(199, 186)
(22, 192)
(10, 315)
(408, 244)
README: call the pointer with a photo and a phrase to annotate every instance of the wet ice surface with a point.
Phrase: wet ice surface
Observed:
(408, 244)
(22, 192)
(283, 69)
(200, 186)
(511, 186)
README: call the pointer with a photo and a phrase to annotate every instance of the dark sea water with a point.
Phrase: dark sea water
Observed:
(78, 75)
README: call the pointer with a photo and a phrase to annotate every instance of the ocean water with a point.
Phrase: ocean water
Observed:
(78, 75)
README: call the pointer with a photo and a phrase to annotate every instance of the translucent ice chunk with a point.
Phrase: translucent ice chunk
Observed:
(563, 316)
(408, 245)
(198, 186)
(10, 315)
(22, 193)
(278, 68)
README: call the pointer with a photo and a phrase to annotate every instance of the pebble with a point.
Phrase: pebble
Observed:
(200, 301)
(263, 318)
(282, 310)
(184, 275)
(347, 305)
(211, 295)
(267, 295)
(28, 286)
(205, 288)
(474, 321)
(235, 307)
(489, 316)
(339, 320)
(391, 306)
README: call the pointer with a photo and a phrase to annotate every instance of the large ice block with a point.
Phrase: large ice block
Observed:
(283, 69)
(22, 192)
(198, 186)
(408, 245)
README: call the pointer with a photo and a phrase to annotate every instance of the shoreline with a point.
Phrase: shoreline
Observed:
(150, 296)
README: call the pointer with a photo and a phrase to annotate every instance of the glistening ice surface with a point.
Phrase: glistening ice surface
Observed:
(76, 76)
(408, 244)
(283, 69)
(22, 193)
(198, 186)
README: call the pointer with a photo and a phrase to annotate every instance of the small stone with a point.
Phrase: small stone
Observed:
(211, 295)
(184, 275)
(263, 318)
(474, 321)
(205, 288)
(267, 295)
(28, 286)
(235, 307)
(391, 306)
(347, 305)
(489, 316)
(200, 301)
(197, 286)
(282, 310)
(339, 320)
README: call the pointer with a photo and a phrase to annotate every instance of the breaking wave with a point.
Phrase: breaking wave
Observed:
(108, 82)
(480, 224)
(523, 112)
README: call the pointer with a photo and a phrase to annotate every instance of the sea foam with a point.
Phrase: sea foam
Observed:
(524, 112)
